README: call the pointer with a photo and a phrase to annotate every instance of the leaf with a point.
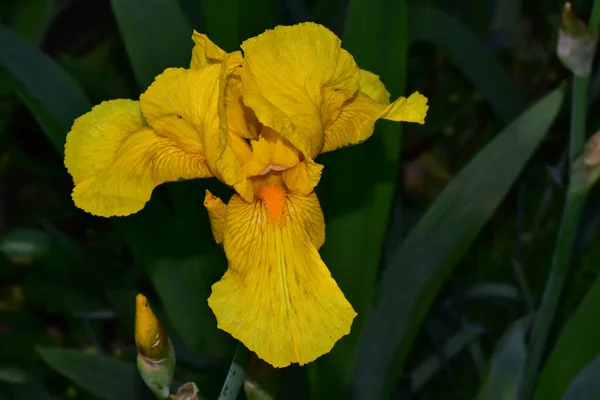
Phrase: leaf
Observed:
(184, 287)
(358, 183)
(586, 385)
(157, 35)
(435, 245)
(506, 364)
(470, 55)
(229, 22)
(53, 98)
(105, 377)
(34, 390)
(575, 348)
(435, 362)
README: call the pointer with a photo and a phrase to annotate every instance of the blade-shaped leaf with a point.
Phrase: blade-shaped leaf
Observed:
(470, 55)
(577, 346)
(157, 36)
(506, 364)
(105, 377)
(229, 22)
(184, 287)
(52, 96)
(427, 256)
(435, 362)
(586, 385)
(358, 182)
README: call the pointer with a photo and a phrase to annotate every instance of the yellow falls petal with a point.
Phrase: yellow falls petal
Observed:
(411, 109)
(216, 214)
(294, 77)
(116, 161)
(356, 122)
(181, 104)
(205, 52)
(277, 296)
(354, 125)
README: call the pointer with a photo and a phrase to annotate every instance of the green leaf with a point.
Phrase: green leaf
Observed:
(426, 258)
(586, 385)
(184, 287)
(575, 348)
(506, 364)
(105, 377)
(471, 56)
(229, 22)
(435, 362)
(157, 35)
(358, 183)
(54, 99)
(33, 390)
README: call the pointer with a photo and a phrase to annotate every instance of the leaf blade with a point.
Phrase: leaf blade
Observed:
(52, 96)
(106, 377)
(434, 246)
(469, 54)
(157, 35)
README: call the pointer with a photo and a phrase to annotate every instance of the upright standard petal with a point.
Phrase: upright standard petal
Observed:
(116, 160)
(221, 145)
(205, 52)
(278, 297)
(295, 77)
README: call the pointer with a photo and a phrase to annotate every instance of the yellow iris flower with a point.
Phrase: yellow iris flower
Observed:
(256, 122)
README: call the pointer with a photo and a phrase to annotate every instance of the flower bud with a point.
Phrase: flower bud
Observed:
(586, 169)
(156, 358)
(187, 391)
(576, 46)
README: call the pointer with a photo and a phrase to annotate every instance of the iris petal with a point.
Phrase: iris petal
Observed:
(277, 296)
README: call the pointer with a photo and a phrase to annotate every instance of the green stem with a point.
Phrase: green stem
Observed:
(236, 374)
(566, 235)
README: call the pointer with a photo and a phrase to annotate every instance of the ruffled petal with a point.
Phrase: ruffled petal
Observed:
(303, 177)
(181, 104)
(277, 296)
(116, 160)
(219, 145)
(371, 85)
(216, 215)
(356, 122)
(411, 109)
(205, 52)
(296, 76)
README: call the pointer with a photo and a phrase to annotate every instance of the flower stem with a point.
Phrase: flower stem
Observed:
(236, 374)
(566, 235)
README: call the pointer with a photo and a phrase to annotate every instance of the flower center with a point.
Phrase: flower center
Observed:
(274, 198)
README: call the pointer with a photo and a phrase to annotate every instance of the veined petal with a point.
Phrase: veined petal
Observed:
(277, 296)
(219, 145)
(356, 122)
(216, 214)
(270, 150)
(181, 104)
(371, 85)
(411, 109)
(354, 125)
(116, 161)
(294, 76)
(205, 52)
(303, 177)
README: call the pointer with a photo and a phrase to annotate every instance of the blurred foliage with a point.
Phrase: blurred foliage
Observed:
(441, 235)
